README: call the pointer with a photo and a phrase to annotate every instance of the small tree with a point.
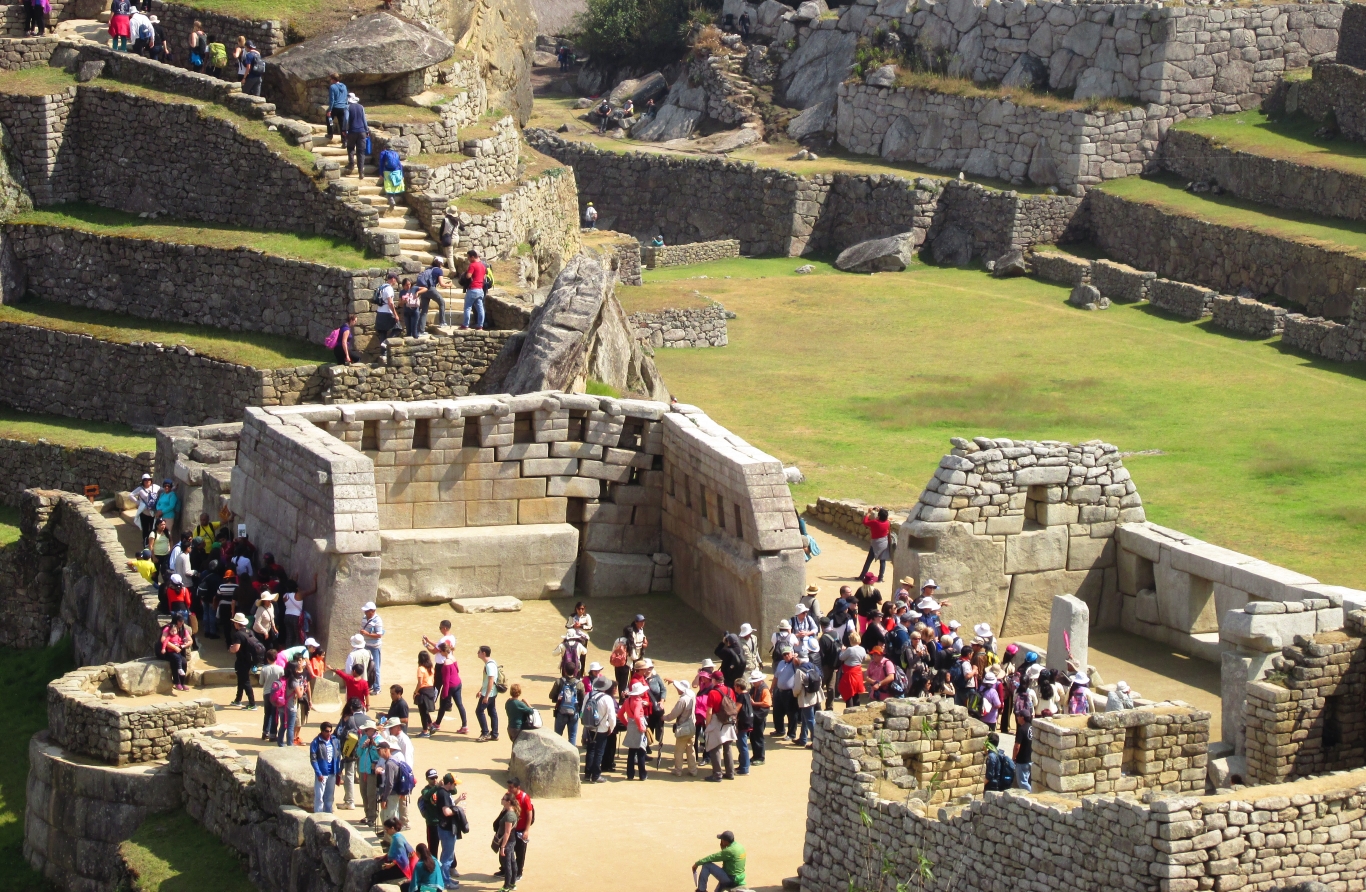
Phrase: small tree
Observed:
(634, 32)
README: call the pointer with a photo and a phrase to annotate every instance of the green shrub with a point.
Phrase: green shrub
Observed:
(649, 32)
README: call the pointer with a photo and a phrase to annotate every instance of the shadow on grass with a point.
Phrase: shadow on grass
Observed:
(172, 853)
(1348, 369)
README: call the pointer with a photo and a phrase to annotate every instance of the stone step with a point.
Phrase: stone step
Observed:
(408, 223)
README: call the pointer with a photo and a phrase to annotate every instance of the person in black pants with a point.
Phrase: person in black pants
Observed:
(239, 644)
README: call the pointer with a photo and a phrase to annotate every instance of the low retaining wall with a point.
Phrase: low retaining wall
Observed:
(492, 160)
(695, 327)
(846, 515)
(682, 255)
(417, 369)
(1247, 316)
(82, 377)
(1152, 748)
(1335, 89)
(178, 20)
(46, 465)
(240, 288)
(113, 731)
(1224, 258)
(1180, 298)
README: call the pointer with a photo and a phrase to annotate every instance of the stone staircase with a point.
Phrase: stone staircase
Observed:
(414, 243)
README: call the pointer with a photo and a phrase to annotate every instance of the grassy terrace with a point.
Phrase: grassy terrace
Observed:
(303, 18)
(1168, 194)
(654, 296)
(40, 81)
(32, 427)
(550, 112)
(173, 853)
(965, 87)
(260, 351)
(325, 249)
(1291, 139)
(860, 380)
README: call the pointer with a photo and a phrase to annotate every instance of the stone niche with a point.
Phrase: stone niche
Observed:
(1005, 525)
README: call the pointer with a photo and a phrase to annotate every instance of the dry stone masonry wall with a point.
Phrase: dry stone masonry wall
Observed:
(37, 125)
(1152, 748)
(47, 465)
(695, 252)
(1329, 339)
(86, 716)
(692, 327)
(435, 367)
(1247, 316)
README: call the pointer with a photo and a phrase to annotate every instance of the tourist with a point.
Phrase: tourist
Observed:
(264, 624)
(407, 304)
(296, 693)
(1000, 767)
(239, 57)
(749, 647)
(809, 691)
(367, 763)
(590, 217)
(486, 711)
(1079, 696)
(599, 718)
(881, 673)
(178, 598)
(504, 831)
(402, 744)
(730, 874)
(519, 713)
(566, 694)
(782, 639)
(140, 29)
(868, 600)
(391, 175)
(632, 714)
(35, 17)
(604, 113)
(1050, 694)
(161, 51)
(1121, 698)
(571, 649)
(428, 290)
(272, 672)
(344, 348)
(451, 825)
(242, 644)
(744, 723)
(396, 864)
(424, 692)
(218, 58)
(992, 701)
(807, 631)
(254, 68)
(810, 600)
(385, 314)
(144, 564)
(451, 688)
(785, 709)
(685, 728)
(337, 98)
(145, 497)
(1009, 674)
(120, 11)
(398, 707)
(176, 642)
(357, 686)
(526, 816)
(879, 531)
(761, 697)
(168, 502)
(357, 132)
(358, 660)
(428, 873)
(353, 718)
(427, 808)
(199, 47)
(474, 280)
(387, 781)
(449, 236)
(830, 648)
(325, 754)
(657, 241)
(744, 26)
(732, 658)
(851, 685)
(372, 629)
(444, 636)
(722, 710)
(636, 643)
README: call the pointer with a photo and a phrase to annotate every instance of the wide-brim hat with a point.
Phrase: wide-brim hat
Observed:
(358, 640)
(683, 686)
(983, 629)
(813, 589)
(929, 583)
(595, 666)
(268, 595)
(928, 605)
(756, 676)
(239, 619)
(636, 690)
(905, 580)
(1078, 678)
(708, 664)
(1122, 687)
(802, 608)
(746, 630)
(785, 626)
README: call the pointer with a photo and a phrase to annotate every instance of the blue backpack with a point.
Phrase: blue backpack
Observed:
(569, 699)
(404, 784)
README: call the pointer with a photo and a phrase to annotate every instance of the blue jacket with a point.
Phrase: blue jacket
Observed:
(356, 122)
(325, 756)
(336, 95)
(389, 160)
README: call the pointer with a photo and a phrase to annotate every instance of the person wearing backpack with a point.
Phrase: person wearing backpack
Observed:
(477, 282)
(487, 709)
(722, 713)
(744, 723)
(567, 696)
(599, 718)
(217, 58)
(1000, 767)
(761, 695)
(199, 47)
(394, 780)
(449, 236)
(357, 132)
(342, 341)
(1024, 751)
(428, 290)
(241, 644)
(391, 175)
(140, 29)
(270, 673)
(255, 70)
(632, 715)
(685, 728)
(810, 690)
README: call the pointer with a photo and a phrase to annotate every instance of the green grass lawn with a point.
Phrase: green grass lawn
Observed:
(9, 525)
(304, 18)
(1168, 193)
(26, 674)
(173, 853)
(325, 249)
(39, 81)
(32, 427)
(1289, 139)
(262, 351)
(861, 380)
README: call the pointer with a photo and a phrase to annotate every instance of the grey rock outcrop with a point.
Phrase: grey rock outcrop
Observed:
(367, 50)
(813, 120)
(1029, 72)
(677, 117)
(579, 334)
(883, 77)
(952, 247)
(1088, 297)
(502, 35)
(891, 254)
(814, 72)
(1010, 264)
(639, 90)
(719, 143)
(546, 764)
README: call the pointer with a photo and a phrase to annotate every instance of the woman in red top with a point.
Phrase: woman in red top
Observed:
(176, 642)
(878, 529)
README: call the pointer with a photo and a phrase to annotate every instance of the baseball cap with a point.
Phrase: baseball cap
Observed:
(726, 836)
(432, 774)
(146, 476)
(369, 605)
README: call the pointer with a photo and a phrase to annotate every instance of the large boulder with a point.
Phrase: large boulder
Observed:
(669, 123)
(639, 90)
(813, 121)
(145, 676)
(580, 333)
(546, 764)
(1088, 297)
(814, 72)
(891, 254)
(284, 776)
(368, 50)
(718, 143)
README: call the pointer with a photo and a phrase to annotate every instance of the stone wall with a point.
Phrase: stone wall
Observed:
(997, 138)
(997, 221)
(693, 327)
(1329, 339)
(417, 369)
(1060, 268)
(85, 716)
(30, 594)
(1181, 299)
(858, 208)
(1119, 282)
(178, 20)
(542, 211)
(24, 52)
(846, 515)
(1319, 277)
(37, 124)
(83, 377)
(1152, 748)
(1335, 90)
(492, 161)
(1247, 316)
(47, 465)
(696, 252)
(1306, 717)
(238, 288)
(1005, 525)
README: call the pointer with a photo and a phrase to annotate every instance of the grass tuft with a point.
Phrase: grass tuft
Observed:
(40, 81)
(261, 351)
(965, 87)
(599, 388)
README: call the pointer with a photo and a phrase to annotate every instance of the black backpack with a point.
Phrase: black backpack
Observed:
(746, 717)
(258, 67)
(811, 680)
(258, 650)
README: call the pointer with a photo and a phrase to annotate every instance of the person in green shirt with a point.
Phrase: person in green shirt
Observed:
(731, 873)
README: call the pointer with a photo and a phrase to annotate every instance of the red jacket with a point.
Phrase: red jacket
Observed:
(357, 688)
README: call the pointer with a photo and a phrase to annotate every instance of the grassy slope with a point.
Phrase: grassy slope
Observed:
(254, 349)
(1168, 194)
(295, 246)
(861, 380)
(173, 853)
(9, 525)
(72, 432)
(1290, 140)
(26, 675)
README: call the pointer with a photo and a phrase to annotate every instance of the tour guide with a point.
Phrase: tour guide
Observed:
(731, 873)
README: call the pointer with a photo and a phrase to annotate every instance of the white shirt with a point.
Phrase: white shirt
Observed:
(147, 498)
(386, 299)
(180, 563)
(358, 657)
(136, 21)
(293, 606)
(241, 565)
(439, 657)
